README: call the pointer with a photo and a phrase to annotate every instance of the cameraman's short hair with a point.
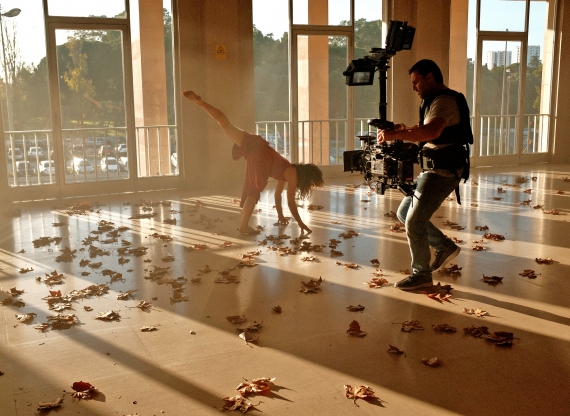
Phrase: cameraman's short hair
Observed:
(427, 66)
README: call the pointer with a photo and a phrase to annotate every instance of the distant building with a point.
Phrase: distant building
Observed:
(497, 58)
(533, 50)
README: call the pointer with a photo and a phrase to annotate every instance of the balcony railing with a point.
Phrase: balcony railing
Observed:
(498, 134)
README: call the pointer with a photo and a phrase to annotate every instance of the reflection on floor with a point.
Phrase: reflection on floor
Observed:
(181, 257)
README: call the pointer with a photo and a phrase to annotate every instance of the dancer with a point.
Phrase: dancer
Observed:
(264, 162)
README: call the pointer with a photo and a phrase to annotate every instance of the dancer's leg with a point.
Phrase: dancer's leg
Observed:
(231, 131)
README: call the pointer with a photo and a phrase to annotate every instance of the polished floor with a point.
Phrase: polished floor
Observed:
(194, 358)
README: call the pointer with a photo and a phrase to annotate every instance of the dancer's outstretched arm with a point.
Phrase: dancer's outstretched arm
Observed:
(231, 131)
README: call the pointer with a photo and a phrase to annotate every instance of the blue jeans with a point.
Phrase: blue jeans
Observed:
(415, 212)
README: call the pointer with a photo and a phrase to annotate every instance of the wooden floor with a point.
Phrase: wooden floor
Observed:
(195, 357)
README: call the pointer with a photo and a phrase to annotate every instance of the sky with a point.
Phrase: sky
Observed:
(269, 16)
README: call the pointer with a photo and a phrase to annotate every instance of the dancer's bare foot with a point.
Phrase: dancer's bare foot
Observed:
(192, 96)
(247, 230)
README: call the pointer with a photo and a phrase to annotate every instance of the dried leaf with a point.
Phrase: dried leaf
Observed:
(477, 312)
(443, 328)
(481, 227)
(126, 295)
(55, 404)
(356, 308)
(477, 332)
(492, 280)
(432, 362)
(546, 260)
(15, 292)
(256, 386)
(494, 237)
(394, 350)
(358, 392)
(236, 319)
(311, 286)
(452, 269)
(248, 337)
(354, 330)
(144, 305)
(529, 273)
(237, 403)
(376, 282)
(226, 278)
(408, 326)
(109, 316)
(26, 317)
(277, 309)
(398, 227)
(478, 247)
(375, 262)
(146, 328)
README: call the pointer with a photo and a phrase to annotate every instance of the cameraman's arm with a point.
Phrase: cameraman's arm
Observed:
(424, 133)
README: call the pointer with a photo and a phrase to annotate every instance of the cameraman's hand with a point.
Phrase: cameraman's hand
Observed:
(386, 136)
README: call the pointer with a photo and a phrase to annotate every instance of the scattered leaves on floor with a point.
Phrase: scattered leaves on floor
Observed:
(477, 312)
(108, 316)
(394, 350)
(493, 237)
(444, 328)
(83, 390)
(62, 321)
(432, 362)
(348, 234)
(358, 392)
(311, 286)
(545, 260)
(54, 404)
(356, 308)
(256, 386)
(26, 317)
(492, 280)
(529, 273)
(237, 403)
(410, 325)
(126, 295)
(148, 328)
(354, 330)
(376, 282)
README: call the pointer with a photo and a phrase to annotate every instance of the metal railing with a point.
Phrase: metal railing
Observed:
(157, 150)
(89, 155)
(498, 134)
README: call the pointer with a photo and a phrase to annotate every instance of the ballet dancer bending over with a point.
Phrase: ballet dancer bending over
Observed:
(264, 162)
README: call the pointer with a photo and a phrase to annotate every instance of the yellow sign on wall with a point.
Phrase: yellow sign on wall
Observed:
(220, 51)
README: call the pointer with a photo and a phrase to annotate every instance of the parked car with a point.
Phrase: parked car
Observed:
(47, 167)
(122, 149)
(105, 150)
(123, 164)
(35, 152)
(109, 164)
(82, 166)
(23, 168)
(16, 153)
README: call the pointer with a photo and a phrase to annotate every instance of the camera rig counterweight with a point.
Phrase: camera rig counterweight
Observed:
(385, 165)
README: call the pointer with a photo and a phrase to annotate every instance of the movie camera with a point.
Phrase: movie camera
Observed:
(389, 164)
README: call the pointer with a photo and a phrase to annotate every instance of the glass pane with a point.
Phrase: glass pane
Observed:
(28, 140)
(99, 8)
(333, 12)
(368, 10)
(498, 99)
(321, 98)
(92, 103)
(367, 35)
(502, 15)
(538, 80)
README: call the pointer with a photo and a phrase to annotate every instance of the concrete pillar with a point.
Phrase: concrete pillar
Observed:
(458, 46)
(149, 81)
(313, 87)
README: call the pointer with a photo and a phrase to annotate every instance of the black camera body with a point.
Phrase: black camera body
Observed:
(385, 165)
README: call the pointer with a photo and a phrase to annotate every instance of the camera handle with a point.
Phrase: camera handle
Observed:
(382, 123)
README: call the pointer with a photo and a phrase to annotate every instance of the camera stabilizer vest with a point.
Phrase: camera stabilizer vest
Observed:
(458, 138)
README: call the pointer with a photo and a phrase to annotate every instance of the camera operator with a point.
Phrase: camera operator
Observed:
(442, 133)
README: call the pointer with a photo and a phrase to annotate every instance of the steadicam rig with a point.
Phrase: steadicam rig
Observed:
(386, 165)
